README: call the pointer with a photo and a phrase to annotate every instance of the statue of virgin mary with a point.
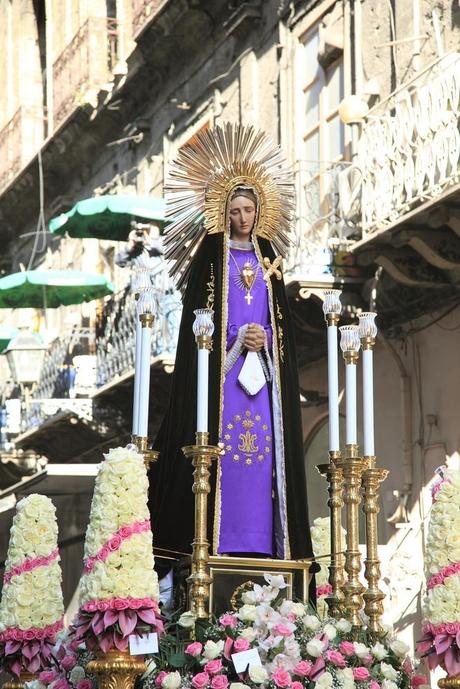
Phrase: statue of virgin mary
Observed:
(232, 198)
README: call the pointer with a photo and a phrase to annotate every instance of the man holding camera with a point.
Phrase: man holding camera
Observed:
(142, 238)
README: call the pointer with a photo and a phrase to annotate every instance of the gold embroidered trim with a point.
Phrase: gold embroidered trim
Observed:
(210, 285)
(279, 316)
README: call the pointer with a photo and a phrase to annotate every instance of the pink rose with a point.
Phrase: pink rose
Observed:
(302, 669)
(114, 543)
(374, 685)
(68, 662)
(282, 678)
(407, 666)
(297, 685)
(30, 634)
(103, 605)
(418, 681)
(336, 658)
(103, 554)
(214, 666)
(84, 684)
(451, 628)
(125, 532)
(219, 682)
(282, 630)
(120, 604)
(228, 620)
(61, 684)
(347, 648)
(160, 677)
(194, 649)
(47, 676)
(240, 645)
(367, 660)
(361, 673)
(27, 566)
(200, 680)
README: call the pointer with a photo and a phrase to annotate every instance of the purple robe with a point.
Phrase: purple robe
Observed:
(246, 481)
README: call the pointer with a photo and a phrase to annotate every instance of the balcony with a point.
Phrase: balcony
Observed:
(84, 66)
(143, 13)
(409, 150)
(19, 141)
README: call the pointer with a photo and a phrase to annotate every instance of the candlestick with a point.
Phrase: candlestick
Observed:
(332, 309)
(145, 311)
(367, 333)
(203, 328)
(140, 281)
(350, 344)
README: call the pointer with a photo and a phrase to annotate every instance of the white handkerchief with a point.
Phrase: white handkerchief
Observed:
(252, 377)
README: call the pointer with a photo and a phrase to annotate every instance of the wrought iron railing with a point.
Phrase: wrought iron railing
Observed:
(320, 219)
(85, 65)
(143, 13)
(115, 340)
(19, 141)
(409, 149)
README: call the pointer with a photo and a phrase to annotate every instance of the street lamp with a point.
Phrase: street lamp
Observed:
(25, 354)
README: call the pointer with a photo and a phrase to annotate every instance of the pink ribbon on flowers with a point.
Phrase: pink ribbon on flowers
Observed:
(120, 604)
(29, 564)
(114, 543)
(16, 634)
(443, 574)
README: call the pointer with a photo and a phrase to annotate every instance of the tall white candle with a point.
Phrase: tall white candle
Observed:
(137, 378)
(203, 328)
(144, 382)
(350, 404)
(333, 388)
(332, 308)
(368, 403)
(140, 283)
(368, 333)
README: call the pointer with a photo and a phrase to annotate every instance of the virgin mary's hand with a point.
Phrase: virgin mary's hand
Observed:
(255, 338)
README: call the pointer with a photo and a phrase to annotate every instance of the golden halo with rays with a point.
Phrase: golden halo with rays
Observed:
(200, 185)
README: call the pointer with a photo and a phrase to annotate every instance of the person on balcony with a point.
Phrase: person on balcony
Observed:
(142, 239)
(231, 263)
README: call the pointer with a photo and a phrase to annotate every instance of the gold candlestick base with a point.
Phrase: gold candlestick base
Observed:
(450, 682)
(142, 444)
(19, 682)
(199, 581)
(116, 669)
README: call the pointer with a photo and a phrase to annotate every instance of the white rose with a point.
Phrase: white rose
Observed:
(248, 633)
(399, 648)
(315, 647)
(187, 619)
(388, 684)
(247, 613)
(388, 671)
(361, 650)
(330, 631)
(275, 580)
(379, 651)
(258, 674)
(77, 674)
(325, 681)
(311, 622)
(213, 649)
(343, 626)
(238, 685)
(171, 681)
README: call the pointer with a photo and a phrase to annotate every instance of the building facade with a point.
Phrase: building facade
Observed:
(96, 98)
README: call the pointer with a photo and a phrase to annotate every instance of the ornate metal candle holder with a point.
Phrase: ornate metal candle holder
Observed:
(142, 443)
(117, 669)
(334, 476)
(19, 682)
(373, 596)
(199, 580)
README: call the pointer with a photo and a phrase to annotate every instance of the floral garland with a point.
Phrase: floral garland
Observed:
(31, 609)
(441, 641)
(321, 542)
(296, 649)
(119, 587)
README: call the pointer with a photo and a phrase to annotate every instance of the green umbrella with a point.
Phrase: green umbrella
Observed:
(43, 289)
(6, 335)
(108, 217)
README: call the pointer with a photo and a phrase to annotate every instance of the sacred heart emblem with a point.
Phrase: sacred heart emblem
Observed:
(247, 275)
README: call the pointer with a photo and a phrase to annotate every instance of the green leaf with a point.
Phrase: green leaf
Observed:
(177, 660)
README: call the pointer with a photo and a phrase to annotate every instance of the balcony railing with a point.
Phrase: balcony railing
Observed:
(85, 65)
(19, 141)
(409, 150)
(115, 342)
(143, 13)
(320, 219)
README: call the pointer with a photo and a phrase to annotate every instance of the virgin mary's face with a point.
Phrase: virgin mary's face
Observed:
(242, 217)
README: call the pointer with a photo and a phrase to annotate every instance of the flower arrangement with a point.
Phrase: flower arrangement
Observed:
(296, 650)
(321, 542)
(119, 587)
(68, 667)
(31, 609)
(441, 641)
